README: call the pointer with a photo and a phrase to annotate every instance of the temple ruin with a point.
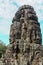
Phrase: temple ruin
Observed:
(25, 39)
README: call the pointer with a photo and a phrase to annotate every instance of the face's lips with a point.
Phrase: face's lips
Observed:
(38, 41)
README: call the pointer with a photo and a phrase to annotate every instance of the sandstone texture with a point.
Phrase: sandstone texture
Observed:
(25, 46)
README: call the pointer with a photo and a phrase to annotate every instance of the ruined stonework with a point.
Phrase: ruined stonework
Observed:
(25, 46)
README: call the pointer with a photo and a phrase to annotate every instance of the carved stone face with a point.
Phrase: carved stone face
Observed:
(36, 36)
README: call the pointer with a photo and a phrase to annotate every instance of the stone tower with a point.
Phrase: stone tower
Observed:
(25, 39)
(25, 26)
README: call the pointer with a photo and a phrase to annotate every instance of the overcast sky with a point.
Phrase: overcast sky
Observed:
(7, 12)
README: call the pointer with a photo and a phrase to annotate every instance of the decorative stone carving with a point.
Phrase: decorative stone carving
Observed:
(25, 39)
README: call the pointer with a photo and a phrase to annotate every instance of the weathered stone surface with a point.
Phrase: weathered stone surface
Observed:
(25, 46)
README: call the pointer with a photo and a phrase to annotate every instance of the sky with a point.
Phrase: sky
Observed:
(8, 9)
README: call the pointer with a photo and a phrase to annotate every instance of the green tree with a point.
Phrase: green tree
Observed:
(2, 48)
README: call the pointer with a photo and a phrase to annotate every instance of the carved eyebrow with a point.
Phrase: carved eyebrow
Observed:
(37, 52)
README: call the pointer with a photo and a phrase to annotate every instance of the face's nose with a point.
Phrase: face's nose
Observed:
(37, 37)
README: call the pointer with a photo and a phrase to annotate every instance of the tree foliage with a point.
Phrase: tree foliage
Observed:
(2, 48)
